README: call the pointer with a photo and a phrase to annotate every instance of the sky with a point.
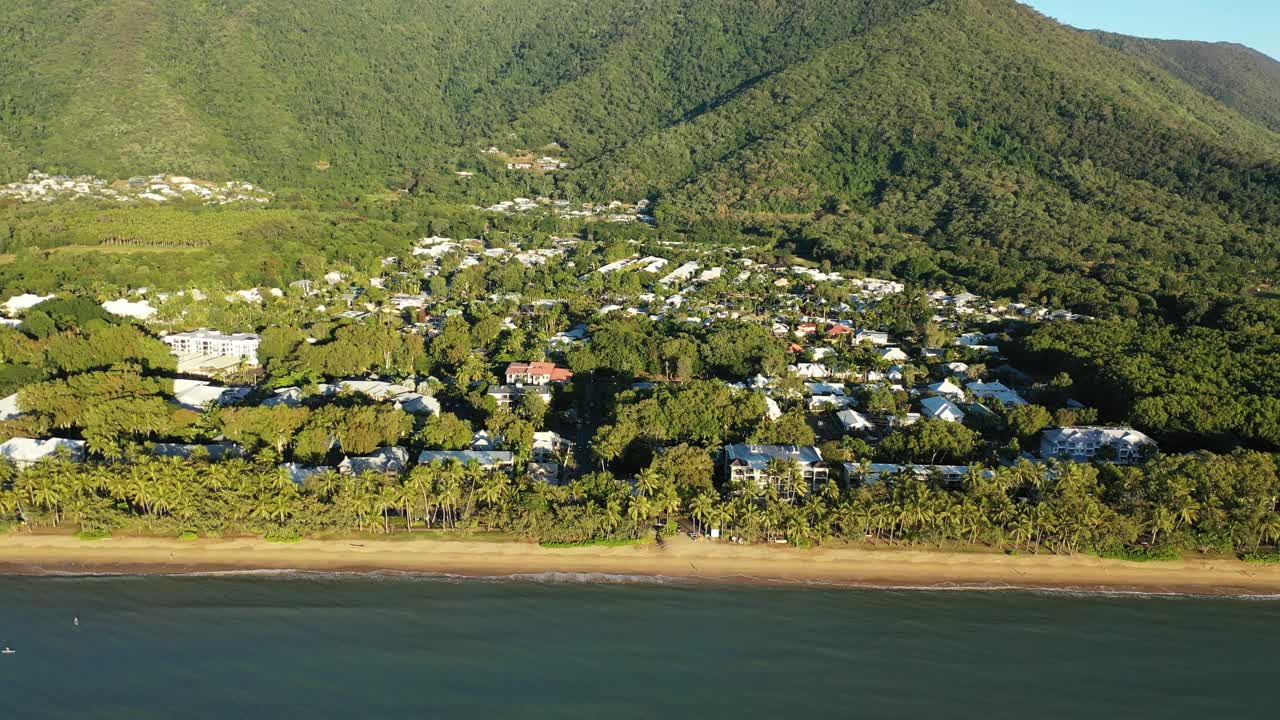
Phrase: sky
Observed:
(1255, 23)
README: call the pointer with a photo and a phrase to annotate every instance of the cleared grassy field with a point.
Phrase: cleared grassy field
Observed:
(145, 227)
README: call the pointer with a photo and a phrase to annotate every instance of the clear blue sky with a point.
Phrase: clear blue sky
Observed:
(1255, 23)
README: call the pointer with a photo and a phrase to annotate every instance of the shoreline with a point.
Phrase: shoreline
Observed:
(680, 560)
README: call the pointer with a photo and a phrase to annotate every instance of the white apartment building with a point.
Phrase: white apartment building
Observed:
(209, 342)
(1082, 444)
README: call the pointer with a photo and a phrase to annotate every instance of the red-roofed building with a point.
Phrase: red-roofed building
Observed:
(838, 329)
(536, 373)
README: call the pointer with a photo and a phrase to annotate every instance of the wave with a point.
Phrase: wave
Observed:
(690, 581)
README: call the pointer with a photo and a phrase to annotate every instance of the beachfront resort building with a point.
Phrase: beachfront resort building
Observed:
(1085, 444)
(765, 465)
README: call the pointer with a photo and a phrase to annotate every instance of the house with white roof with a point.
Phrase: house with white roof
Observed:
(977, 341)
(25, 452)
(9, 407)
(892, 354)
(875, 472)
(812, 371)
(386, 460)
(823, 388)
(417, 403)
(684, 272)
(25, 301)
(199, 394)
(947, 388)
(772, 410)
(287, 397)
(996, 391)
(375, 389)
(549, 447)
(301, 473)
(491, 459)
(824, 402)
(214, 452)
(140, 310)
(940, 408)
(853, 421)
(875, 337)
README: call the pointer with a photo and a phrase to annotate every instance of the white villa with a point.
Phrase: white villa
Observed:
(940, 408)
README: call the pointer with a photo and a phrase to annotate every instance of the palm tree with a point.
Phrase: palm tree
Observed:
(784, 472)
(798, 529)
(701, 509)
(388, 500)
(612, 513)
(41, 486)
(406, 496)
(1268, 529)
(137, 489)
(639, 510)
(770, 520)
(492, 489)
(10, 504)
(449, 494)
(863, 471)
(277, 507)
(648, 481)
(1186, 512)
(418, 485)
(1162, 519)
(1024, 528)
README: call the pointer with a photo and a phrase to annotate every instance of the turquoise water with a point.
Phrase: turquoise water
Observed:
(370, 647)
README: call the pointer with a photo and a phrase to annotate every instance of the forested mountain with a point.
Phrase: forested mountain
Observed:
(938, 140)
(1242, 78)
(264, 90)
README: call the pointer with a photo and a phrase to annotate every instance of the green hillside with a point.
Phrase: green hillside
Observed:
(939, 140)
(266, 90)
(1242, 78)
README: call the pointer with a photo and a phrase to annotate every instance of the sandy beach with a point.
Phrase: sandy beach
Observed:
(679, 558)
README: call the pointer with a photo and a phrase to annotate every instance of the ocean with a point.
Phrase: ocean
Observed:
(324, 646)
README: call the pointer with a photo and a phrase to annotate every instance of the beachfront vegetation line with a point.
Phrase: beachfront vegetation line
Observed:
(1198, 503)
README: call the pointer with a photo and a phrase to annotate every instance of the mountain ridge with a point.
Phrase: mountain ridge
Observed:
(1240, 77)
